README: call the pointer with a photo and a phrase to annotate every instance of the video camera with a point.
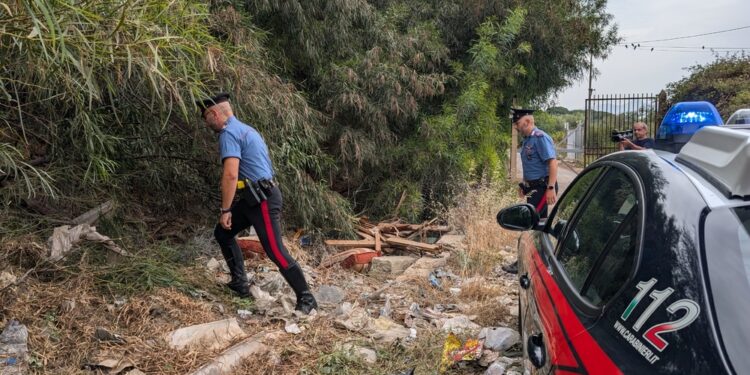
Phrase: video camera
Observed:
(619, 136)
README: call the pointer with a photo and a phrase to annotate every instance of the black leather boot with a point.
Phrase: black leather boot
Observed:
(235, 261)
(296, 279)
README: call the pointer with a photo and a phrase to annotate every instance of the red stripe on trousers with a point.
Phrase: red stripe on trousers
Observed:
(271, 235)
(541, 203)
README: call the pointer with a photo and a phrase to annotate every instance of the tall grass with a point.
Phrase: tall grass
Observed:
(474, 215)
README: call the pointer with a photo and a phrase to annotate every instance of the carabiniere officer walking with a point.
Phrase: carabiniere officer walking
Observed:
(539, 162)
(248, 172)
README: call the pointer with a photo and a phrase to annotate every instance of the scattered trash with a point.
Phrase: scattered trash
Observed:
(6, 279)
(387, 331)
(102, 334)
(454, 352)
(65, 237)
(460, 324)
(213, 335)
(386, 310)
(112, 366)
(292, 328)
(14, 349)
(434, 280)
(329, 295)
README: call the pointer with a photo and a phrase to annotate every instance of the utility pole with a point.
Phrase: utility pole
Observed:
(513, 148)
(586, 113)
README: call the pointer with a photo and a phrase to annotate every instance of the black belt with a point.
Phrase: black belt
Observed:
(541, 182)
(267, 184)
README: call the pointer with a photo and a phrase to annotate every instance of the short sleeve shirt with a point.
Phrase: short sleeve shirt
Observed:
(242, 141)
(536, 150)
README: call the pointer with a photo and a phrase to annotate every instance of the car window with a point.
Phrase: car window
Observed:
(603, 238)
(616, 261)
(567, 205)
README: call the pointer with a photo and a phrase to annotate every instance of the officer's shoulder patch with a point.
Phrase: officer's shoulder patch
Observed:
(537, 133)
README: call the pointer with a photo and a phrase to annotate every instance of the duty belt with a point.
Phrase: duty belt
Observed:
(537, 183)
(265, 183)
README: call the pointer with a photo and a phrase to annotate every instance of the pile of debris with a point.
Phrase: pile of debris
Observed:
(385, 238)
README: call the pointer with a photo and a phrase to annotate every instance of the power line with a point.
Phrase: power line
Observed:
(695, 35)
(683, 47)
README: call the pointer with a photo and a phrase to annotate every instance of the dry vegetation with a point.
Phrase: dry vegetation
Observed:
(142, 298)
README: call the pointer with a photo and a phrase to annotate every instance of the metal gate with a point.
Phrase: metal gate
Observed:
(605, 113)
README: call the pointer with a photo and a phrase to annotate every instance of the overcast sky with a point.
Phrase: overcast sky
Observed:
(628, 71)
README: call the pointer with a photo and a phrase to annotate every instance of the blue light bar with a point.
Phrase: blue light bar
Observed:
(682, 121)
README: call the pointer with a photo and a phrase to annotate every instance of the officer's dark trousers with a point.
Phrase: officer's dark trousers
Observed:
(538, 199)
(265, 219)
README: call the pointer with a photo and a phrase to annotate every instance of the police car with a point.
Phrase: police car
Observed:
(643, 266)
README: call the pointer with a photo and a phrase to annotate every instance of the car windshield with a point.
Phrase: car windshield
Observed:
(727, 249)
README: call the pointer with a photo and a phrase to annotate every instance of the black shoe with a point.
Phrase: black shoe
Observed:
(511, 268)
(241, 289)
(306, 303)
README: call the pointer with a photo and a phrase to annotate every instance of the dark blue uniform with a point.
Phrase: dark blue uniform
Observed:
(537, 150)
(238, 140)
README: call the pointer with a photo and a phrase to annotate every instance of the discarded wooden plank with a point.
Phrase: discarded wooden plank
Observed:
(377, 241)
(365, 235)
(438, 228)
(347, 244)
(336, 258)
(401, 242)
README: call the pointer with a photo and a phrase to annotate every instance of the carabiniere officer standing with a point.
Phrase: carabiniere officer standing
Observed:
(539, 162)
(247, 172)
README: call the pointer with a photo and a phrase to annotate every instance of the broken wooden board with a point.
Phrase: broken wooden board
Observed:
(401, 242)
(348, 244)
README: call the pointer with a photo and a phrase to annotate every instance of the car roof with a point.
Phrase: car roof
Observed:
(717, 162)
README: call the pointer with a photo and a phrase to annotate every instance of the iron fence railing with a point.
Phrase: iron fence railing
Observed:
(605, 113)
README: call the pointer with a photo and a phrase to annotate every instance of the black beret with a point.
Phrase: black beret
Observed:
(517, 113)
(212, 101)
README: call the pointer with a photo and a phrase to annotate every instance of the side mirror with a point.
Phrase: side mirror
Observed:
(518, 217)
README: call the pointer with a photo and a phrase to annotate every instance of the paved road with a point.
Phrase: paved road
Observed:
(565, 173)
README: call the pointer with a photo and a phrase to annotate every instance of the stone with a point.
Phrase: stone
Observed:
(496, 368)
(460, 323)
(390, 265)
(213, 265)
(211, 336)
(455, 241)
(365, 354)
(423, 267)
(499, 339)
(329, 295)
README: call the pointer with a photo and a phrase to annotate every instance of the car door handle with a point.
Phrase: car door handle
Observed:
(524, 281)
(536, 350)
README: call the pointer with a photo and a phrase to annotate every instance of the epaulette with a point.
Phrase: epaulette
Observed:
(537, 133)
